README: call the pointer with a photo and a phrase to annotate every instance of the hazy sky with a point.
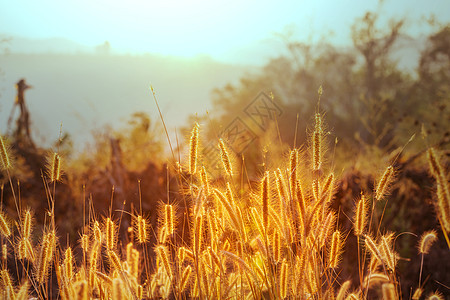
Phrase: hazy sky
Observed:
(217, 28)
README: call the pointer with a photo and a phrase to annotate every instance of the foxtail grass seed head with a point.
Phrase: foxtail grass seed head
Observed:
(185, 278)
(372, 247)
(205, 181)
(193, 149)
(435, 167)
(4, 155)
(284, 279)
(68, 263)
(169, 219)
(435, 296)
(4, 252)
(225, 158)
(383, 184)
(114, 260)
(27, 224)
(427, 239)
(417, 294)
(4, 225)
(110, 233)
(360, 220)
(85, 243)
(164, 258)
(335, 249)
(141, 229)
(54, 170)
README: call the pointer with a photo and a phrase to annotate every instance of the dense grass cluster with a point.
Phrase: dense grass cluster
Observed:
(274, 239)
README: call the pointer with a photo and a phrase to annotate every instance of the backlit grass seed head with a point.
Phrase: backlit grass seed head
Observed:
(4, 225)
(27, 224)
(383, 184)
(224, 155)
(84, 242)
(97, 232)
(435, 167)
(343, 290)
(427, 239)
(335, 250)
(185, 278)
(114, 260)
(4, 252)
(54, 168)
(4, 155)
(372, 247)
(110, 233)
(141, 230)
(205, 181)
(68, 263)
(169, 219)
(435, 296)
(284, 279)
(164, 258)
(443, 204)
(417, 294)
(360, 219)
(193, 149)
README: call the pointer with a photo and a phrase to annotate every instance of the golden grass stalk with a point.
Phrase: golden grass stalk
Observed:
(276, 246)
(335, 250)
(388, 290)
(193, 149)
(84, 242)
(443, 204)
(360, 219)
(205, 181)
(141, 226)
(4, 155)
(317, 144)
(68, 263)
(435, 166)
(97, 232)
(387, 252)
(164, 258)
(26, 226)
(427, 239)
(198, 234)
(284, 279)
(4, 252)
(375, 278)
(22, 294)
(383, 184)
(110, 233)
(169, 219)
(435, 296)
(225, 158)
(54, 168)
(265, 199)
(293, 162)
(4, 225)
(185, 278)
(417, 294)
(372, 247)
(114, 260)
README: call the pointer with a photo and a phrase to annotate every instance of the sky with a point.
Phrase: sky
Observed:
(217, 28)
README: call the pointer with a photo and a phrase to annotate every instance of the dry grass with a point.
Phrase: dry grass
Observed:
(276, 239)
